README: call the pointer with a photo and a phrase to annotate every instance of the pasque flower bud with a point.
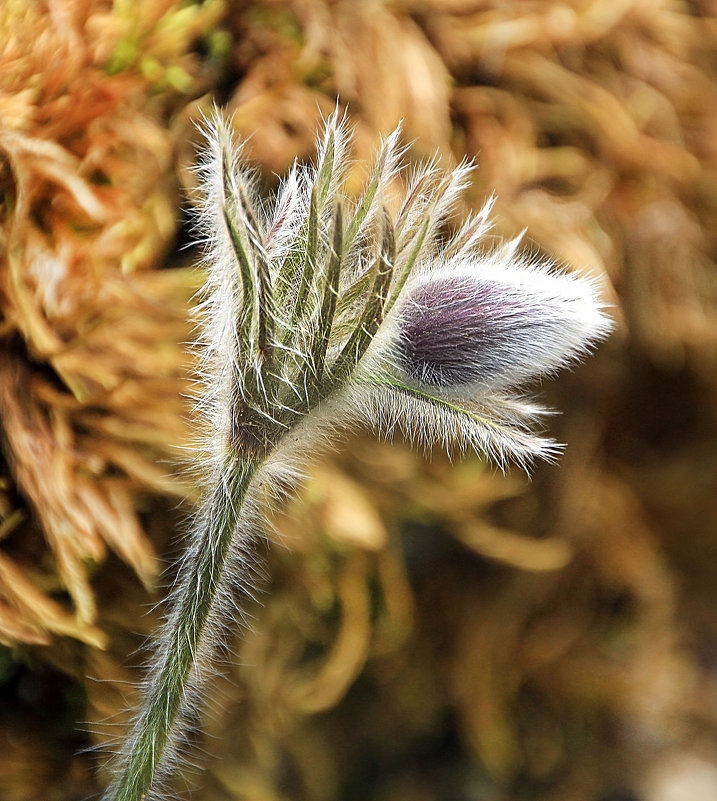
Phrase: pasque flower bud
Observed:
(477, 325)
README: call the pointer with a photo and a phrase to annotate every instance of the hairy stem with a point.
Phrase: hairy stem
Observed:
(177, 652)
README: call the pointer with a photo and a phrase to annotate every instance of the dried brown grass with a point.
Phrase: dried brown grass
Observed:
(93, 368)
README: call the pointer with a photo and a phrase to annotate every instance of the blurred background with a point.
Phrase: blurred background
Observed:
(428, 631)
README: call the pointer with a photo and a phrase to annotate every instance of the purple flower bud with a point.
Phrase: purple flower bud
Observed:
(495, 328)
(450, 334)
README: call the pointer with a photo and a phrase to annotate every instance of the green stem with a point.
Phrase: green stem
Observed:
(178, 651)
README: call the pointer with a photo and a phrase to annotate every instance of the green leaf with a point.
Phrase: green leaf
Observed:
(326, 168)
(266, 313)
(408, 266)
(366, 201)
(372, 315)
(310, 257)
(356, 290)
(246, 272)
(328, 302)
(419, 193)
(482, 420)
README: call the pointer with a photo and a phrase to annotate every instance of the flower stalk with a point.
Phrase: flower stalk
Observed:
(165, 694)
(320, 316)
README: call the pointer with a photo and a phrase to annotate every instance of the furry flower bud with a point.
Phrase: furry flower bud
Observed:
(468, 324)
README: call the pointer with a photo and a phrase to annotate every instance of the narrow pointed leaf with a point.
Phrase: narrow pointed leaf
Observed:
(380, 171)
(357, 290)
(323, 179)
(372, 315)
(328, 303)
(408, 266)
(265, 306)
(418, 195)
(244, 266)
(309, 265)
(501, 439)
